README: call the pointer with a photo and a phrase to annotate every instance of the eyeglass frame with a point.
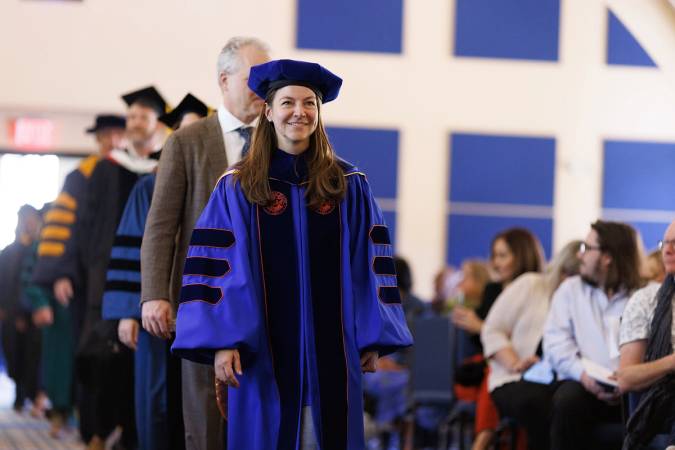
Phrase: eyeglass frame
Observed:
(585, 248)
(662, 243)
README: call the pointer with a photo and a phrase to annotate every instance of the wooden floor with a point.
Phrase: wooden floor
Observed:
(23, 432)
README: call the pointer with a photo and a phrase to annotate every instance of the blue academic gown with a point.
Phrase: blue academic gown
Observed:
(121, 300)
(301, 292)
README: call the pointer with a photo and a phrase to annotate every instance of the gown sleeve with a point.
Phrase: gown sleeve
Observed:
(58, 247)
(379, 317)
(219, 306)
(121, 299)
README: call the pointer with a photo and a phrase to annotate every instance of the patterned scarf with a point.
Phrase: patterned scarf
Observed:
(656, 411)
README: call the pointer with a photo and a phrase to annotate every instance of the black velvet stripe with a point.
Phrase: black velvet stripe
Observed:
(124, 286)
(279, 261)
(389, 294)
(379, 234)
(209, 237)
(124, 264)
(200, 292)
(208, 267)
(384, 265)
(325, 245)
(127, 241)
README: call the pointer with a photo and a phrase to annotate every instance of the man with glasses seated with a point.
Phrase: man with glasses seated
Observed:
(647, 363)
(583, 325)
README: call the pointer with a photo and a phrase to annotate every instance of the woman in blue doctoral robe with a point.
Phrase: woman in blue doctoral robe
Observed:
(289, 285)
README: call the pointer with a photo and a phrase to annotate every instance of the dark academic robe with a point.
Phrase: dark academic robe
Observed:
(103, 367)
(301, 293)
(121, 300)
(58, 255)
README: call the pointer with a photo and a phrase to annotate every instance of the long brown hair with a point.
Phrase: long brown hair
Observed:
(526, 248)
(325, 176)
(620, 242)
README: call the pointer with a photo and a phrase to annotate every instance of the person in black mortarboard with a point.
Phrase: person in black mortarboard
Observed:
(188, 111)
(289, 287)
(157, 375)
(76, 267)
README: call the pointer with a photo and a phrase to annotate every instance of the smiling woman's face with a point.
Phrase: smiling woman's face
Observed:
(295, 114)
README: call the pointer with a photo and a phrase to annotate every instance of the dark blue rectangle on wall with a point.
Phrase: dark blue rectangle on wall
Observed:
(514, 29)
(470, 236)
(373, 151)
(350, 25)
(502, 169)
(639, 175)
(622, 47)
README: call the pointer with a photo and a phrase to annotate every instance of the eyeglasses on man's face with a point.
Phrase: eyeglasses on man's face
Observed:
(662, 244)
(585, 247)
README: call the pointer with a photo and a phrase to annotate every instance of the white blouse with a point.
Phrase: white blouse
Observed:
(516, 320)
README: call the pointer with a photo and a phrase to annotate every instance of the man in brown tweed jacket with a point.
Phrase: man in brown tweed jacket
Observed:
(192, 161)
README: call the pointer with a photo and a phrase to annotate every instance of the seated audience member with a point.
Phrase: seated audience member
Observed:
(583, 326)
(412, 305)
(514, 252)
(511, 339)
(653, 269)
(647, 364)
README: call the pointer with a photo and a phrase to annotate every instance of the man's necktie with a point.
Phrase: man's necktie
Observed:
(245, 133)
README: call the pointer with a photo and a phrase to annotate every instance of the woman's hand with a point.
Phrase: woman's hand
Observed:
(466, 319)
(228, 363)
(369, 362)
(522, 365)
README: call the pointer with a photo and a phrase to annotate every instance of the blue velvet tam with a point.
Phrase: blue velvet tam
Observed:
(273, 75)
(189, 104)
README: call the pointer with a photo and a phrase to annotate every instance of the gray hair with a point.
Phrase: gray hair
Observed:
(229, 60)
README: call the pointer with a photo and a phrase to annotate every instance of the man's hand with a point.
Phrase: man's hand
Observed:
(369, 362)
(227, 365)
(127, 331)
(63, 291)
(594, 388)
(157, 316)
(43, 316)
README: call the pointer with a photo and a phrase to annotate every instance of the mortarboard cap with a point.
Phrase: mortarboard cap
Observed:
(273, 75)
(148, 96)
(189, 104)
(104, 121)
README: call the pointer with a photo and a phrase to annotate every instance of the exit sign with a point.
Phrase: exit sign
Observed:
(28, 133)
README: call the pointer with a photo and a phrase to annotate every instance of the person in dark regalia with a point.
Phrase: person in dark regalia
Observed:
(60, 318)
(289, 286)
(103, 369)
(157, 382)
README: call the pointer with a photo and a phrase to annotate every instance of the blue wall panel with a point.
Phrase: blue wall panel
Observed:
(651, 232)
(470, 236)
(374, 151)
(639, 175)
(514, 29)
(622, 47)
(502, 169)
(350, 25)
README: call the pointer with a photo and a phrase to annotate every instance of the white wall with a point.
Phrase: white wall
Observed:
(76, 58)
